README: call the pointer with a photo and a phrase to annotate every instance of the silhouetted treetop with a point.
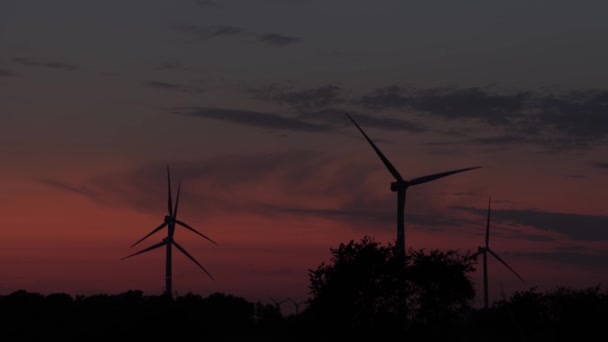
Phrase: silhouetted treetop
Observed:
(369, 286)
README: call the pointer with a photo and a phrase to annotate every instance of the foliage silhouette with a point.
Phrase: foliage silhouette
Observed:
(366, 291)
(370, 287)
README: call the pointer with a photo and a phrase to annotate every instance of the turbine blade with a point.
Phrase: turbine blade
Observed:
(473, 256)
(388, 164)
(425, 179)
(160, 244)
(169, 204)
(488, 224)
(193, 230)
(191, 258)
(152, 232)
(504, 263)
(179, 186)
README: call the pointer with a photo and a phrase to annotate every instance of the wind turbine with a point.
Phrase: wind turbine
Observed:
(170, 221)
(278, 304)
(401, 185)
(297, 304)
(485, 250)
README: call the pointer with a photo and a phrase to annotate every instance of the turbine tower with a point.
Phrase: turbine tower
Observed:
(170, 222)
(485, 250)
(401, 185)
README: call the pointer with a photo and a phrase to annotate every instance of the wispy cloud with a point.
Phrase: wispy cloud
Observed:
(82, 190)
(278, 39)
(7, 73)
(582, 256)
(51, 65)
(208, 32)
(571, 119)
(172, 86)
(320, 121)
(295, 184)
(171, 66)
(321, 105)
(204, 32)
(574, 226)
(338, 117)
(252, 118)
(600, 165)
(301, 99)
(220, 182)
(364, 215)
(449, 103)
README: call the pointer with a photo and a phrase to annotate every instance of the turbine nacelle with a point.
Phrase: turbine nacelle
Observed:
(399, 185)
(168, 219)
(481, 249)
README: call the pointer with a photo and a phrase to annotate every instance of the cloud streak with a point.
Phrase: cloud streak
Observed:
(205, 32)
(572, 119)
(600, 165)
(51, 65)
(581, 256)
(290, 185)
(278, 39)
(172, 86)
(338, 117)
(304, 99)
(319, 121)
(574, 226)
(320, 105)
(252, 118)
(6, 73)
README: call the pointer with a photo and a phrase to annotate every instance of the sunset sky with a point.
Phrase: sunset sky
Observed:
(246, 101)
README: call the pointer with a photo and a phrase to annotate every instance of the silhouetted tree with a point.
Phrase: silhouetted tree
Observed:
(362, 288)
(441, 282)
(562, 314)
(368, 287)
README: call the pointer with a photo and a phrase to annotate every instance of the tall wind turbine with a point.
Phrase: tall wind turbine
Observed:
(170, 221)
(401, 185)
(485, 250)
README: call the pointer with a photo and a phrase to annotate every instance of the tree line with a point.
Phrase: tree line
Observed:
(366, 291)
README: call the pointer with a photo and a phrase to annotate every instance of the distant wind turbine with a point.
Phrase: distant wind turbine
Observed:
(277, 304)
(297, 304)
(170, 221)
(401, 185)
(485, 250)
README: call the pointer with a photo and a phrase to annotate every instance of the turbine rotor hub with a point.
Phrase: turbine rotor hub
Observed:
(398, 185)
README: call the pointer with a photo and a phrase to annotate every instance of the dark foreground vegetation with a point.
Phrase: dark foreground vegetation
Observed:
(366, 292)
